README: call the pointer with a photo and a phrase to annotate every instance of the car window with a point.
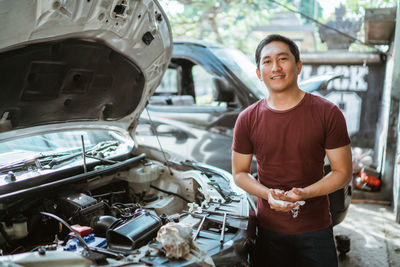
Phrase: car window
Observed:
(169, 82)
(243, 68)
(203, 87)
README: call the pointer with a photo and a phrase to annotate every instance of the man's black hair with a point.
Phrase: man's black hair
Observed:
(276, 37)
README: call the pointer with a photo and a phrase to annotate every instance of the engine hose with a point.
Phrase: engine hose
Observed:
(83, 243)
(170, 193)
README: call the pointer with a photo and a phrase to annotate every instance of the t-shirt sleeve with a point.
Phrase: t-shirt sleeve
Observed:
(241, 135)
(336, 135)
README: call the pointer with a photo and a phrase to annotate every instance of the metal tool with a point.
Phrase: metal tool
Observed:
(223, 230)
(228, 214)
(200, 216)
(200, 226)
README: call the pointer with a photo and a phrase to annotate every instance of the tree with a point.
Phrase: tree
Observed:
(357, 7)
(312, 9)
(228, 22)
(356, 10)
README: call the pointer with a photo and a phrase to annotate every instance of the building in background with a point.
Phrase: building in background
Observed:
(368, 91)
(289, 24)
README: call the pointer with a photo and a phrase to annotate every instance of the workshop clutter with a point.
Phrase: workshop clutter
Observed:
(369, 180)
(177, 242)
(366, 177)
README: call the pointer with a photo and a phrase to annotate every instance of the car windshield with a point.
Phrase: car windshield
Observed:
(51, 143)
(242, 67)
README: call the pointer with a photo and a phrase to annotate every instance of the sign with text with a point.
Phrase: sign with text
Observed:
(357, 93)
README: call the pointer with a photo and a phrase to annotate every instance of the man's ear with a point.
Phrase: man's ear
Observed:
(299, 66)
(259, 74)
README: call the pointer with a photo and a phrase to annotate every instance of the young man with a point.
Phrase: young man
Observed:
(289, 132)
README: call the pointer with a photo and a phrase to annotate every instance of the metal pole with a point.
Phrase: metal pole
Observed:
(83, 155)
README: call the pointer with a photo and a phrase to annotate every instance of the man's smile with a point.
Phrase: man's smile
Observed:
(277, 77)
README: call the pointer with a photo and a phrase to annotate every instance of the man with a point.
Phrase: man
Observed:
(289, 132)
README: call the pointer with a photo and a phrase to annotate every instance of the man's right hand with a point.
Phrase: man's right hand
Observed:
(241, 164)
(279, 205)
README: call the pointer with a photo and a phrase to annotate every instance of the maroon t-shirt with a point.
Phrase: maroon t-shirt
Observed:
(290, 148)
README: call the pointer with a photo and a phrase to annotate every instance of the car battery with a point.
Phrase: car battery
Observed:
(91, 240)
(80, 207)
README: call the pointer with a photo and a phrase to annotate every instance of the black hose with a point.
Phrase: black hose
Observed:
(170, 193)
(34, 191)
(83, 243)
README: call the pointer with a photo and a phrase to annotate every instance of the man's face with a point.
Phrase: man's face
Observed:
(278, 68)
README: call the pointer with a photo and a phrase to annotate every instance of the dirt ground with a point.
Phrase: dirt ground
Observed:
(374, 236)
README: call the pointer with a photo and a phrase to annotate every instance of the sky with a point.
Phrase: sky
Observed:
(329, 6)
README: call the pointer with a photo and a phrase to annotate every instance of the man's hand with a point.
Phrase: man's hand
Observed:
(340, 160)
(295, 194)
(276, 198)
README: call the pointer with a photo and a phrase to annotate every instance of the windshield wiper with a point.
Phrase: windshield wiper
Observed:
(38, 161)
(48, 161)
(98, 149)
(41, 161)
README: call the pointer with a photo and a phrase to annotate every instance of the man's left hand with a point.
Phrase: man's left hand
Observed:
(295, 194)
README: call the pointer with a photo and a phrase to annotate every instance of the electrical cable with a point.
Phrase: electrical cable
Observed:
(324, 25)
(83, 243)
(170, 193)
(110, 194)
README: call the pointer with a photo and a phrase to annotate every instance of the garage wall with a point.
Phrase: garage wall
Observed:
(357, 93)
(395, 84)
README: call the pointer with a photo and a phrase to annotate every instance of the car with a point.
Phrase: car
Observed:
(195, 108)
(76, 188)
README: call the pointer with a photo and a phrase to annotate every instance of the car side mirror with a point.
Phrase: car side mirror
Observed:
(223, 92)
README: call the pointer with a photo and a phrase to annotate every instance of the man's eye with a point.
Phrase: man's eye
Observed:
(267, 61)
(282, 58)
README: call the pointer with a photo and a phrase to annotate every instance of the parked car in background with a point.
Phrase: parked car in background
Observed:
(76, 189)
(195, 108)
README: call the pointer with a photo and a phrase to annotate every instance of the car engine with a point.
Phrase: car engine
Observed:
(111, 214)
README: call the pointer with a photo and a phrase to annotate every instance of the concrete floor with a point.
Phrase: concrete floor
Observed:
(374, 236)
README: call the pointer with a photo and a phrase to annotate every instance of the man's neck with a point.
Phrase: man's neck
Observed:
(285, 100)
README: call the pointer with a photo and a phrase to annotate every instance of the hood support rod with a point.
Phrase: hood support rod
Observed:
(158, 140)
(84, 155)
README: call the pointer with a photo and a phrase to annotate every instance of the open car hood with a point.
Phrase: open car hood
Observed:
(63, 61)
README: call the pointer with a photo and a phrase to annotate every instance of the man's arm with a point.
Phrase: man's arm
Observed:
(241, 165)
(341, 174)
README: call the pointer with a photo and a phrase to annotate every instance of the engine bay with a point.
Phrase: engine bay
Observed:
(110, 215)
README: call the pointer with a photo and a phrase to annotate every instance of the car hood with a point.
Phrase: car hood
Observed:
(67, 61)
(318, 82)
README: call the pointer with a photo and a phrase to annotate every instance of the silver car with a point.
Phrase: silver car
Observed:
(76, 189)
(194, 110)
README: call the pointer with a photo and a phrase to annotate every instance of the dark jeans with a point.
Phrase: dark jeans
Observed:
(305, 250)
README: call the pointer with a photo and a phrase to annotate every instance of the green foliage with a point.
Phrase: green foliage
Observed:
(355, 10)
(228, 22)
(357, 7)
(312, 9)
(231, 22)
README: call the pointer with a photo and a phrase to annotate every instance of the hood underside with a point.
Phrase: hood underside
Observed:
(80, 60)
(68, 80)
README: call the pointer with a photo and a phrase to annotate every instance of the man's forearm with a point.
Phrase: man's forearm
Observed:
(251, 185)
(328, 184)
